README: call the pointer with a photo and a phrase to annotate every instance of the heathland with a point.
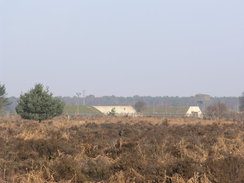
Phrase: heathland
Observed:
(121, 149)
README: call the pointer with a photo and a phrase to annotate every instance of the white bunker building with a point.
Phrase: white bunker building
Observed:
(194, 111)
(118, 110)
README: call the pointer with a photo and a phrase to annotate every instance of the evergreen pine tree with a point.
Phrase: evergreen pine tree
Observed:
(3, 99)
(39, 104)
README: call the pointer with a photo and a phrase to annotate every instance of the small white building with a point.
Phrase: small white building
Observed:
(194, 111)
(118, 110)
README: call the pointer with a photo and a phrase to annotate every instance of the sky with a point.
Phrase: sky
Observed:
(123, 47)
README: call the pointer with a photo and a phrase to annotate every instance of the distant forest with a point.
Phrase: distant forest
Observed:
(200, 100)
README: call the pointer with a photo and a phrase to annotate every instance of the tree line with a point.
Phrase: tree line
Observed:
(39, 104)
(91, 100)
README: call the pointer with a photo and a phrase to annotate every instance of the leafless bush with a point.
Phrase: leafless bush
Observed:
(216, 111)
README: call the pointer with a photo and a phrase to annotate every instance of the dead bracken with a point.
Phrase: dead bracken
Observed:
(121, 149)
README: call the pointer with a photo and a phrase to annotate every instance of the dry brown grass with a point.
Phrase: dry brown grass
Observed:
(121, 149)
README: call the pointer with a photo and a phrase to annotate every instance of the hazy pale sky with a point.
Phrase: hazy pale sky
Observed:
(123, 47)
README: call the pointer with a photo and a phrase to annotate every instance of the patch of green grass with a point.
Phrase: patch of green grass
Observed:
(81, 110)
(161, 110)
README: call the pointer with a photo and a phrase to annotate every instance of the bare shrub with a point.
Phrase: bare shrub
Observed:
(140, 105)
(216, 111)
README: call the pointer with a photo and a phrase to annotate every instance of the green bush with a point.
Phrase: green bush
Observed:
(3, 100)
(39, 104)
(112, 112)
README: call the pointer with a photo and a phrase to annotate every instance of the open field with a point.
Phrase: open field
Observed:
(81, 110)
(121, 149)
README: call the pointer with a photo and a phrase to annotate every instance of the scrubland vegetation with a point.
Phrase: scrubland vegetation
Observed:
(112, 149)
